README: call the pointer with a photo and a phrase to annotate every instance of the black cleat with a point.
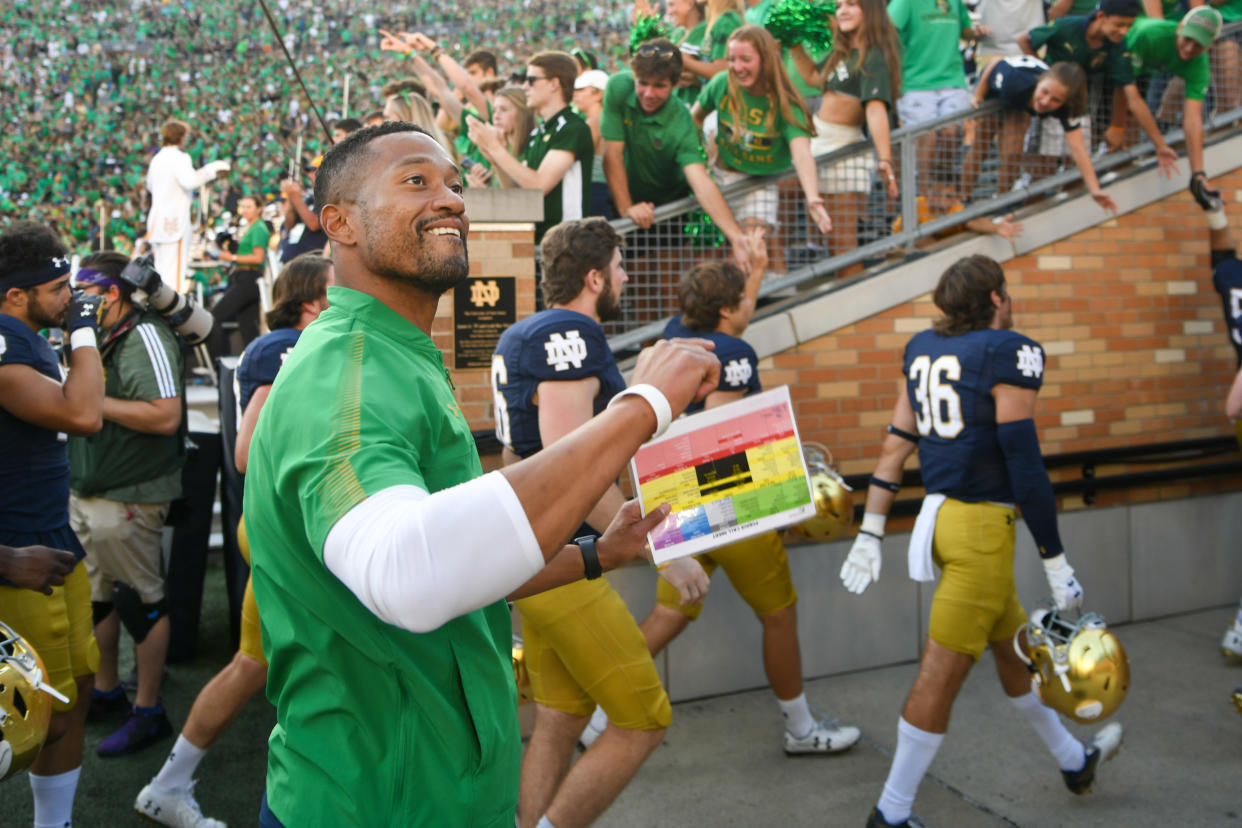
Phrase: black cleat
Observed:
(1104, 746)
(877, 820)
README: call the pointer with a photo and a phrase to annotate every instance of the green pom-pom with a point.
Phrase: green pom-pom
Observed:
(702, 231)
(802, 21)
(648, 27)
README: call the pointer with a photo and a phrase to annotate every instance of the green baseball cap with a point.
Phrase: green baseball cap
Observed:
(1201, 24)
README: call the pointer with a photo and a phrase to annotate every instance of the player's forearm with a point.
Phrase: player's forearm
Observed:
(84, 392)
(560, 485)
(889, 469)
(1032, 489)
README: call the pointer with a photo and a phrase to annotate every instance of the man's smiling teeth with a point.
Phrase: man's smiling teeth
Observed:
(445, 231)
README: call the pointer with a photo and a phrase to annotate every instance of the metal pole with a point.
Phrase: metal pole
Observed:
(345, 106)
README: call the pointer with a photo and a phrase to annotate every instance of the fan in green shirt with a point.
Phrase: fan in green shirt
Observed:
(763, 125)
(652, 153)
(558, 157)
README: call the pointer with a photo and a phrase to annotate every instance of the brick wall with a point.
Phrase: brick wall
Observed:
(496, 249)
(1137, 350)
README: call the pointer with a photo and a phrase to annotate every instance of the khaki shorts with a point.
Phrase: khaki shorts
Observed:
(849, 175)
(758, 569)
(59, 627)
(762, 204)
(123, 543)
(976, 602)
(251, 643)
(583, 648)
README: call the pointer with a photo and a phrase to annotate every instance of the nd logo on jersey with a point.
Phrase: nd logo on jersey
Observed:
(738, 372)
(484, 293)
(563, 351)
(1031, 361)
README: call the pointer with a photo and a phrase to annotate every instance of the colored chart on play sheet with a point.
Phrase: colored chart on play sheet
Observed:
(729, 473)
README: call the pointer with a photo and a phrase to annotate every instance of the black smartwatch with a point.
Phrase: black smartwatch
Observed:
(590, 558)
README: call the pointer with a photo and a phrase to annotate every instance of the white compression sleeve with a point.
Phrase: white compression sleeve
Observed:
(417, 560)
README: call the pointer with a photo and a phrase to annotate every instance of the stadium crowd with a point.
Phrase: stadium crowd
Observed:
(610, 113)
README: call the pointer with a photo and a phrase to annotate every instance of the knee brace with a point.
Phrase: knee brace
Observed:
(137, 616)
(99, 611)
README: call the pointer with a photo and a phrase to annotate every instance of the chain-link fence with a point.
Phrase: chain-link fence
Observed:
(971, 167)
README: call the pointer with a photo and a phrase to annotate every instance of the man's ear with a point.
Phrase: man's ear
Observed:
(595, 280)
(14, 298)
(338, 223)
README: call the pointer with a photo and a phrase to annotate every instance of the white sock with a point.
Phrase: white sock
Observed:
(797, 713)
(1237, 619)
(915, 751)
(599, 719)
(1067, 750)
(1217, 220)
(544, 823)
(53, 798)
(179, 767)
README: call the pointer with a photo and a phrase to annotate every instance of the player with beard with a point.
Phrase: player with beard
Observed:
(381, 553)
(551, 373)
(38, 406)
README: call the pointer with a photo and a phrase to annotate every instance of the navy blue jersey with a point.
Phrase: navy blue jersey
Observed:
(1013, 82)
(34, 463)
(1227, 278)
(949, 380)
(739, 364)
(260, 362)
(551, 346)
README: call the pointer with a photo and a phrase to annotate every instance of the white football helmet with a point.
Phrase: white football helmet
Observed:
(1079, 668)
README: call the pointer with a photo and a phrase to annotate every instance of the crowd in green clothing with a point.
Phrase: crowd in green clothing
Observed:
(86, 84)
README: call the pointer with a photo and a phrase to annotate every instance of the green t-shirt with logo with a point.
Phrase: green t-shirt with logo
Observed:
(658, 146)
(762, 146)
(930, 31)
(1152, 46)
(723, 26)
(1066, 39)
(571, 197)
(255, 238)
(867, 79)
(375, 725)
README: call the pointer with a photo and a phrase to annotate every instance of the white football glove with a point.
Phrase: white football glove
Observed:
(862, 565)
(1066, 591)
(688, 578)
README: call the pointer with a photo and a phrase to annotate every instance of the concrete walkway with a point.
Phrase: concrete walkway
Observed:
(1180, 765)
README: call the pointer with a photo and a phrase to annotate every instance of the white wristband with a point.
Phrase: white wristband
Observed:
(873, 522)
(83, 338)
(656, 399)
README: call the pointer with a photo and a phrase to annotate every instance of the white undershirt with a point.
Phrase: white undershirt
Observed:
(419, 560)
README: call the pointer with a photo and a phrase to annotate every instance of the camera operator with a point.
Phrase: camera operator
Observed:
(123, 481)
(240, 301)
(36, 410)
(172, 180)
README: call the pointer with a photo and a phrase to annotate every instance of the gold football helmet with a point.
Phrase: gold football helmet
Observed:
(520, 676)
(1079, 668)
(834, 506)
(25, 703)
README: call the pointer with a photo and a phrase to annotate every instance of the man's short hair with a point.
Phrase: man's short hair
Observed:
(348, 125)
(561, 66)
(1120, 8)
(173, 132)
(572, 249)
(27, 245)
(706, 290)
(337, 181)
(656, 59)
(482, 58)
(964, 295)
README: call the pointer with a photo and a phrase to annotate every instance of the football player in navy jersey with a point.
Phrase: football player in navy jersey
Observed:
(717, 301)
(552, 372)
(969, 408)
(38, 408)
(299, 295)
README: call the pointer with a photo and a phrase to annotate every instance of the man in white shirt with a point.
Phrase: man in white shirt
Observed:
(172, 180)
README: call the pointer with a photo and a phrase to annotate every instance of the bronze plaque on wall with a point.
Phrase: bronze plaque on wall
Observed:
(483, 306)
